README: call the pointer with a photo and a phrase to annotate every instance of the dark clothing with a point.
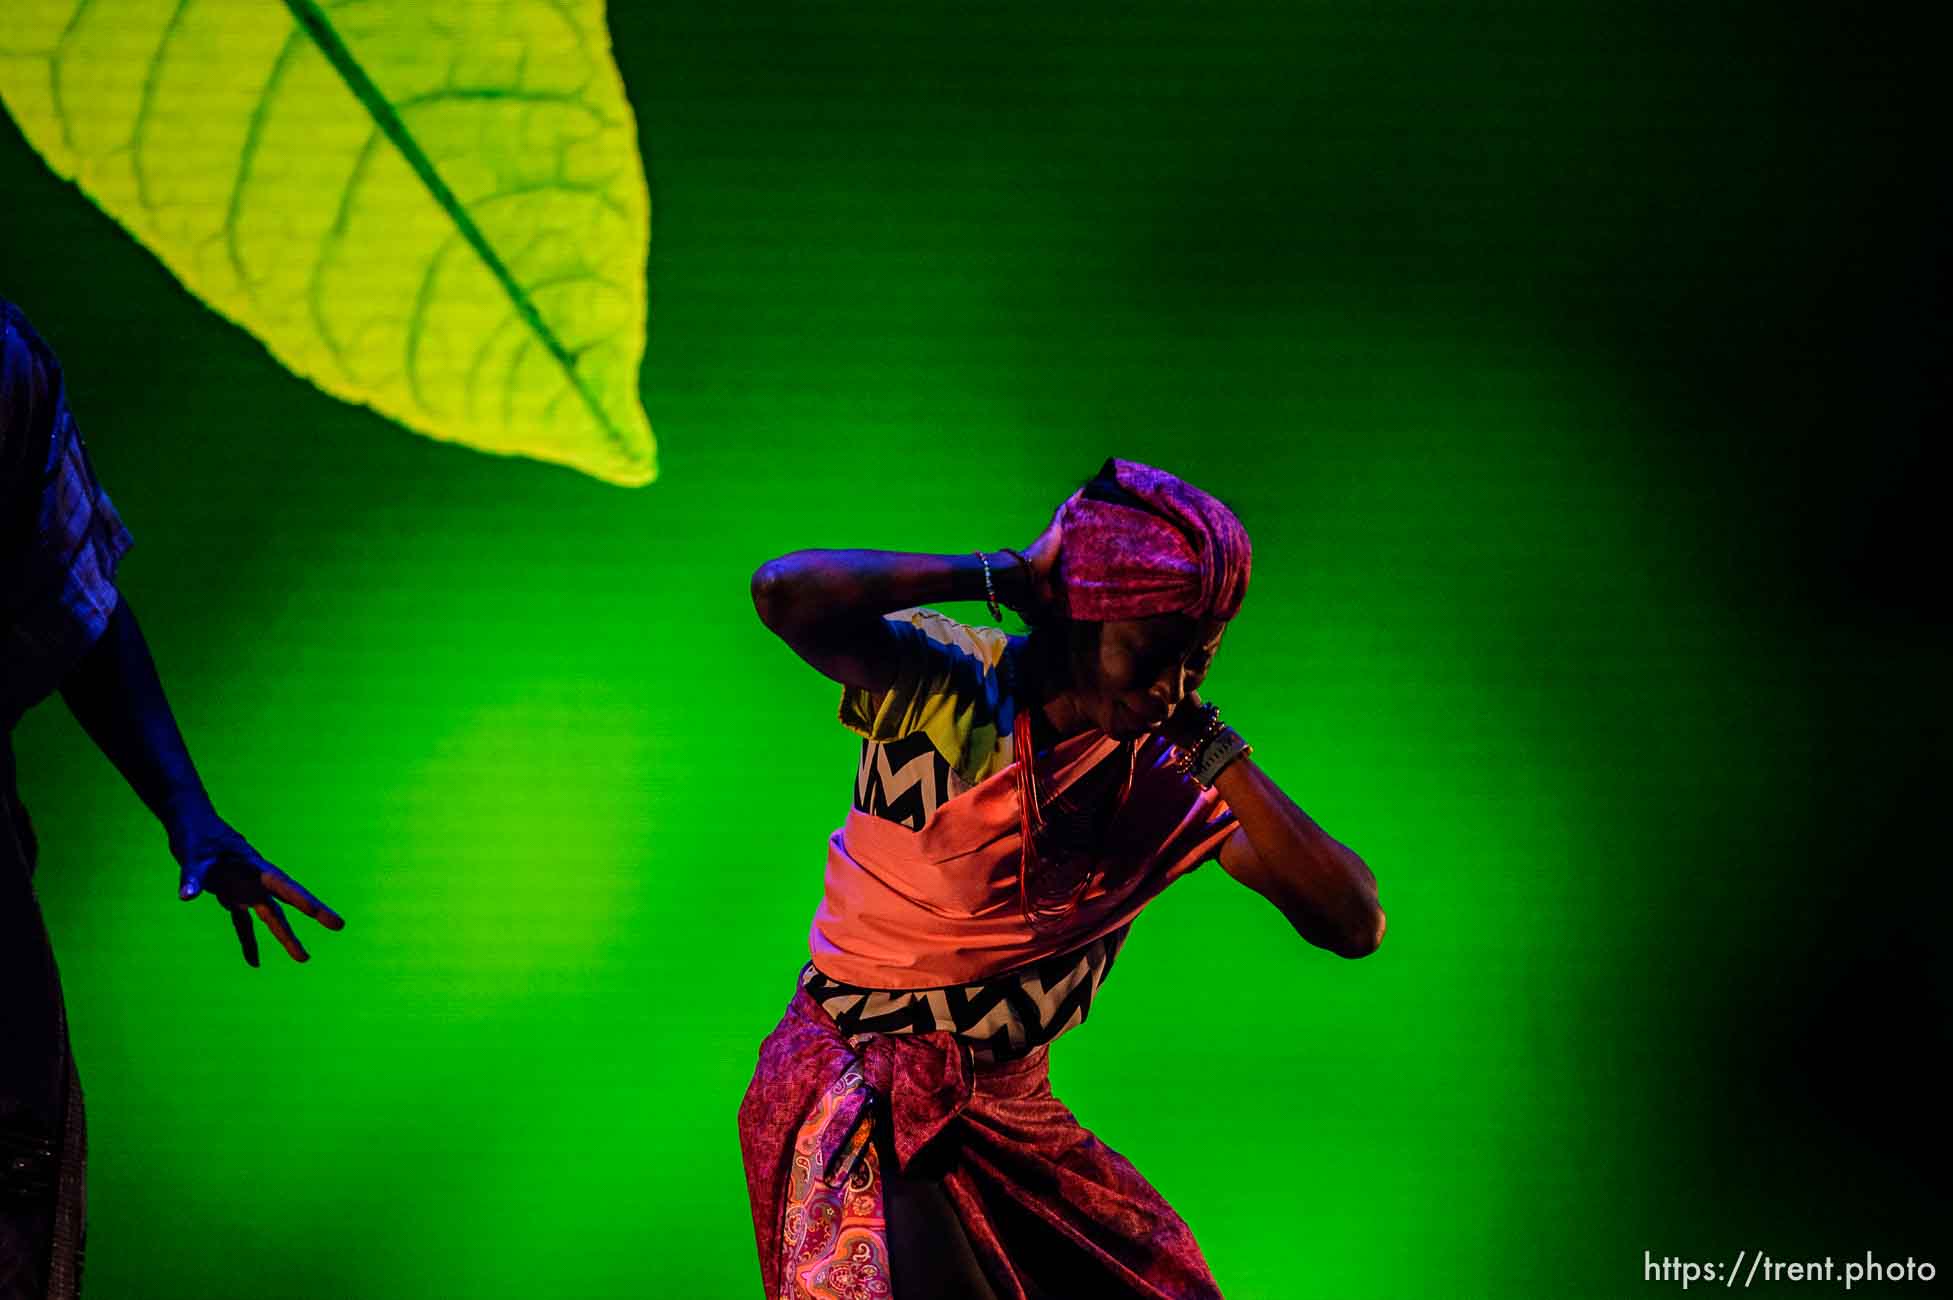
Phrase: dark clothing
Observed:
(60, 538)
(60, 541)
(43, 1138)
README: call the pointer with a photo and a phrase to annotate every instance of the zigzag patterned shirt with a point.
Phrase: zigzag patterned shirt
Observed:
(941, 728)
(1001, 1019)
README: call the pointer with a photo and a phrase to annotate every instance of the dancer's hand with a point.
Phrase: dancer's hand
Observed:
(219, 861)
(1187, 724)
(1040, 591)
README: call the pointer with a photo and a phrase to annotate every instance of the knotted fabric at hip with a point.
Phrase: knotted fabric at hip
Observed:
(1045, 1206)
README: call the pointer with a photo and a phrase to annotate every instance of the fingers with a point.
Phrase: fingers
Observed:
(245, 883)
(241, 922)
(274, 920)
(282, 885)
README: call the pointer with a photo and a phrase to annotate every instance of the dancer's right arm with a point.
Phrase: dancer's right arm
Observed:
(828, 605)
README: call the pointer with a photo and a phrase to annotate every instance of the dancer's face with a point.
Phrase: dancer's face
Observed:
(1134, 677)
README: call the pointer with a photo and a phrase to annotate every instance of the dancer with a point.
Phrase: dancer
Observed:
(64, 627)
(1019, 800)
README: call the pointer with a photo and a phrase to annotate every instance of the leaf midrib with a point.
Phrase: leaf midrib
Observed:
(326, 37)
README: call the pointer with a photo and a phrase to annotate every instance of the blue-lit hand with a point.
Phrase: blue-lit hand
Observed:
(219, 861)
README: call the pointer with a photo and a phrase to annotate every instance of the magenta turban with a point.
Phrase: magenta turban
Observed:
(1159, 546)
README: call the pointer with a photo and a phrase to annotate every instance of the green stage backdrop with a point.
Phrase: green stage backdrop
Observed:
(1571, 367)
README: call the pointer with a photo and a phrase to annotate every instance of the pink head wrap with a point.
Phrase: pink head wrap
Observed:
(1173, 550)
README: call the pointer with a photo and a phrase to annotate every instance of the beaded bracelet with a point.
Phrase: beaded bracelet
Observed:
(1190, 752)
(989, 589)
(1219, 745)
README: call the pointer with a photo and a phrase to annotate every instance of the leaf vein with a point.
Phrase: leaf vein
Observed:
(55, 58)
(417, 320)
(600, 193)
(508, 380)
(584, 276)
(576, 27)
(549, 407)
(481, 356)
(253, 131)
(327, 38)
(146, 106)
(468, 94)
(315, 287)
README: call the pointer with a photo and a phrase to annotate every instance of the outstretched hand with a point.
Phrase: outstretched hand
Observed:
(219, 861)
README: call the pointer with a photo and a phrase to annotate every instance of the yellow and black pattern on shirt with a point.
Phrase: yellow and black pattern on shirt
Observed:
(1001, 1018)
(941, 727)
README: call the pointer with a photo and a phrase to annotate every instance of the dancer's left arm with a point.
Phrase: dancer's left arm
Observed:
(116, 695)
(1324, 889)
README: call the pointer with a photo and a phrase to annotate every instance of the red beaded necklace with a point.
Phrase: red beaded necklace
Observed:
(1063, 875)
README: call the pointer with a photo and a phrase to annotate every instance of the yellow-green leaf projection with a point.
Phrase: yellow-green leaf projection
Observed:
(437, 209)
